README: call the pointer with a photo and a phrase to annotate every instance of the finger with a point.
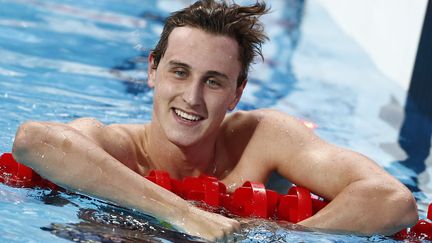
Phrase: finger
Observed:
(223, 238)
(231, 237)
(237, 226)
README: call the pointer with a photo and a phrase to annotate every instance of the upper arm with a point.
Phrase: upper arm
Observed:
(327, 169)
(306, 160)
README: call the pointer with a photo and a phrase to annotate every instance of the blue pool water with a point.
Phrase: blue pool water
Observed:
(61, 60)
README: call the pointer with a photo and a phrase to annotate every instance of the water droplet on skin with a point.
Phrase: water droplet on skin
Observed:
(232, 186)
(50, 146)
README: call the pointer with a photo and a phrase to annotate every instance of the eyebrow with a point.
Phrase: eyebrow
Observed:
(177, 63)
(216, 73)
(187, 66)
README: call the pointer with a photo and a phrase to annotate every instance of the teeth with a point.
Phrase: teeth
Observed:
(187, 116)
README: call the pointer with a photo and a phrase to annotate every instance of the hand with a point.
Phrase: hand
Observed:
(210, 226)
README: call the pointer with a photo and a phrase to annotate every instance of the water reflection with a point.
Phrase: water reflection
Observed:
(99, 226)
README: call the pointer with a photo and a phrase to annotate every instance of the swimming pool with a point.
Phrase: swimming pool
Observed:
(61, 60)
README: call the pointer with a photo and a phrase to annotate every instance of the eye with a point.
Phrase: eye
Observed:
(212, 83)
(180, 73)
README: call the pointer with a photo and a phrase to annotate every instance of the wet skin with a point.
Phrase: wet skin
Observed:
(195, 84)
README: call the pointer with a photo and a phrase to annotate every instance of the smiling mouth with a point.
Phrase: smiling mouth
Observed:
(187, 116)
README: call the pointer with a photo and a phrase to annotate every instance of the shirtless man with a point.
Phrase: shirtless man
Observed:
(198, 71)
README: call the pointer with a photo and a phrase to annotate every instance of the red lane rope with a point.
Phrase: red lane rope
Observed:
(16, 174)
(250, 200)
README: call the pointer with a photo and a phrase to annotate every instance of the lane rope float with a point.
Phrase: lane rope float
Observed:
(252, 199)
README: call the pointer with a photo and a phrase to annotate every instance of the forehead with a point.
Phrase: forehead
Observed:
(203, 51)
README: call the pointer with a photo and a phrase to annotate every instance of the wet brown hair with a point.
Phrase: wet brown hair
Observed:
(221, 18)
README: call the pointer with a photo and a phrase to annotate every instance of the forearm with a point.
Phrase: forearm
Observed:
(72, 160)
(65, 156)
(367, 207)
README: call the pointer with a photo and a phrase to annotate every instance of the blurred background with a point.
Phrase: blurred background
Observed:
(359, 69)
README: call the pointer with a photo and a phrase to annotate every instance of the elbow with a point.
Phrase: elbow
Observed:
(392, 207)
(27, 138)
(401, 211)
(407, 208)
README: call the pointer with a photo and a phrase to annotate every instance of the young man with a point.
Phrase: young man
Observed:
(198, 71)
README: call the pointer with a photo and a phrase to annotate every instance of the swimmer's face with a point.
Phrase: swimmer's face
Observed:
(195, 84)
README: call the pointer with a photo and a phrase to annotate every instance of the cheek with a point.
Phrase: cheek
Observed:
(160, 96)
(163, 90)
(221, 104)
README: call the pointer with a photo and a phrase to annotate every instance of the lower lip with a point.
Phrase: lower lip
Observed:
(183, 121)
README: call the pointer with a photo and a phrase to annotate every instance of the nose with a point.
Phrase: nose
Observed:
(193, 93)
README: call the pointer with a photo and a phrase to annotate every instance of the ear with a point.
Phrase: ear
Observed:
(239, 92)
(151, 71)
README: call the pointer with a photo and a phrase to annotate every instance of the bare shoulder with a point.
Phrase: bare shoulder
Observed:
(130, 131)
(254, 141)
(122, 141)
(240, 119)
(238, 128)
(125, 143)
(93, 128)
(263, 120)
(88, 126)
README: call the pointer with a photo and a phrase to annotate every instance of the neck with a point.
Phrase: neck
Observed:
(179, 161)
